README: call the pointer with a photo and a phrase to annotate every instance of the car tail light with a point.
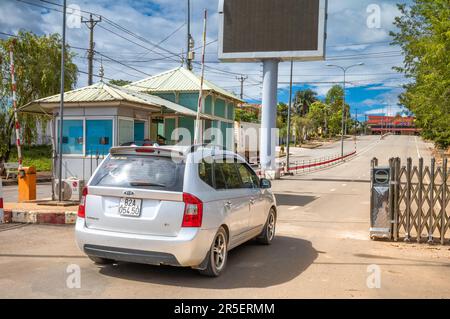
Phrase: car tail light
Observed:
(193, 211)
(1, 203)
(145, 150)
(82, 206)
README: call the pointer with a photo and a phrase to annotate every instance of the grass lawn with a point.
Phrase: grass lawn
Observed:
(39, 156)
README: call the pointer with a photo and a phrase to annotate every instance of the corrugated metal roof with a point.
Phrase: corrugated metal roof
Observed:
(103, 92)
(178, 79)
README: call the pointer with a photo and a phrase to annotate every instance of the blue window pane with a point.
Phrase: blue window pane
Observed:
(98, 136)
(72, 141)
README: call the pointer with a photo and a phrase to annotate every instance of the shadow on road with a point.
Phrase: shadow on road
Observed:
(249, 266)
(294, 200)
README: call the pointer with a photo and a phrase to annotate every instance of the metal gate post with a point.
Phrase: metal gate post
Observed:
(408, 198)
(431, 210)
(420, 201)
(444, 200)
(392, 182)
(396, 195)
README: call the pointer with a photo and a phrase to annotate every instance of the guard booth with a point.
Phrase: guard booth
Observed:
(380, 202)
(102, 116)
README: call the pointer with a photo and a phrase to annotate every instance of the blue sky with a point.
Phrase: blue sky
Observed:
(353, 36)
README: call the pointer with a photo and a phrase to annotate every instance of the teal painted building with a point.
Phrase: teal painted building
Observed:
(182, 86)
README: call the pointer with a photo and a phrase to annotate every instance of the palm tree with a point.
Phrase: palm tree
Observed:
(302, 126)
(303, 101)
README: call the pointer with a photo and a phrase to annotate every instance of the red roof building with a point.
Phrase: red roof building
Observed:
(399, 125)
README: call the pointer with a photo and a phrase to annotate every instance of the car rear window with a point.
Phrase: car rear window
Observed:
(146, 172)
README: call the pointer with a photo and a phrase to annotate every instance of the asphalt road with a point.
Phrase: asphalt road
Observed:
(321, 250)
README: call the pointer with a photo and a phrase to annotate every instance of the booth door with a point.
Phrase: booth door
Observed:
(139, 131)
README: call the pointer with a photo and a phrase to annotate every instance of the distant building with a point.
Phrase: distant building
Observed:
(380, 124)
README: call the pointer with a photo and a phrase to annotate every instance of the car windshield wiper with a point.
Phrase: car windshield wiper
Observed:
(147, 184)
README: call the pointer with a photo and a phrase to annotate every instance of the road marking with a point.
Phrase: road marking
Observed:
(417, 147)
(293, 207)
(344, 185)
(332, 190)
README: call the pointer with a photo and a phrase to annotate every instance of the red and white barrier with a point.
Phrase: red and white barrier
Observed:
(311, 163)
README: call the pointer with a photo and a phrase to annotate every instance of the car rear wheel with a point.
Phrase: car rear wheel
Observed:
(217, 256)
(268, 233)
(100, 260)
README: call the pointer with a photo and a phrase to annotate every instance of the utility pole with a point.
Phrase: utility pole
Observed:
(241, 79)
(91, 23)
(198, 134)
(190, 40)
(61, 105)
(356, 121)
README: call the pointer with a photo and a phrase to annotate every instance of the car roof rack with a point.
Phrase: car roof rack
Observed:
(195, 147)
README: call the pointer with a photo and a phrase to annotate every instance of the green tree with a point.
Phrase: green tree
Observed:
(335, 98)
(119, 82)
(318, 114)
(303, 100)
(282, 110)
(245, 115)
(424, 37)
(37, 61)
(302, 126)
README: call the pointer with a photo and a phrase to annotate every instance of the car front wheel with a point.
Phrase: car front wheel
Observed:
(217, 256)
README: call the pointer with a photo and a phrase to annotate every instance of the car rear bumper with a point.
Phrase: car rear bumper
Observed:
(189, 248)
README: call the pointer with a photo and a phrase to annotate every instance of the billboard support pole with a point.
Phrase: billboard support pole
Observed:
(269, 115)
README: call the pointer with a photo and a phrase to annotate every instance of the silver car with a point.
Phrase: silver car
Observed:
(173, 206)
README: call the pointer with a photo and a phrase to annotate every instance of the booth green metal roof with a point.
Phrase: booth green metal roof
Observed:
(178, 79)
(103, 92)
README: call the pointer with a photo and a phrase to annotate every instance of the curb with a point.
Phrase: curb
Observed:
(40, 217)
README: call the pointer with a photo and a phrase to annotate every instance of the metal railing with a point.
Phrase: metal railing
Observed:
(310, 164)
(302, 166)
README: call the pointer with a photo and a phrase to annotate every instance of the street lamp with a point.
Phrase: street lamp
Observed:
(344, 69)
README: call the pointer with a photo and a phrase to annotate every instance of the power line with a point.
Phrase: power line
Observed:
(112, 23)
(119, 62)
(123, 29)
(9, 35)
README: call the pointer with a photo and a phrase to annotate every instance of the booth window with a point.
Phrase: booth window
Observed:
(125, 131)
(72, 140)
(98, 137)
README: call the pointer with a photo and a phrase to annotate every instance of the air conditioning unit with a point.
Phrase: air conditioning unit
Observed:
(71, 188)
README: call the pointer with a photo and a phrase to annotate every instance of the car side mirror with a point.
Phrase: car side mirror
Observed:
(265, 183)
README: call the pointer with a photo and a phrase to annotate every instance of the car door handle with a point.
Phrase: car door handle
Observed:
(228, 204)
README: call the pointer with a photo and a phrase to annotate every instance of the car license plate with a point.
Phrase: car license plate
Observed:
(130, 207)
